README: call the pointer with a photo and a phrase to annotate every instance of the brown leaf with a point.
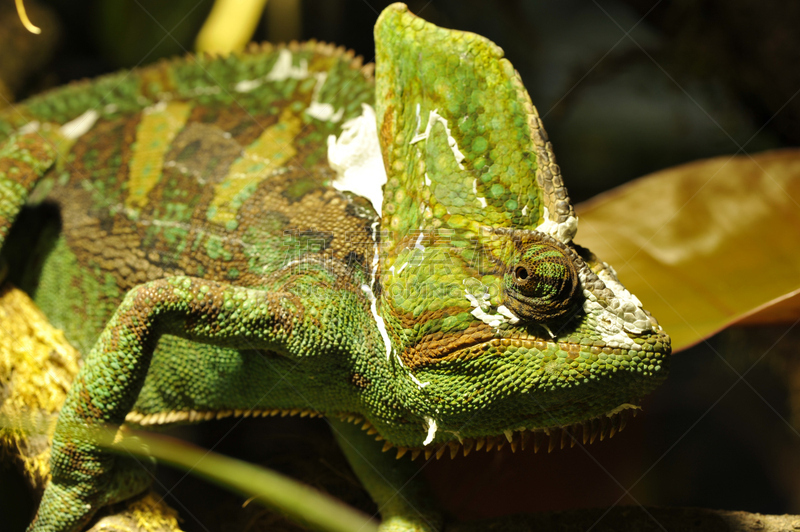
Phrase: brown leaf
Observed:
(706, 244)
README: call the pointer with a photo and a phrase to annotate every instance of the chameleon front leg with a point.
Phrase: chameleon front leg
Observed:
(24, 159)
(85, 477)
(402, 495)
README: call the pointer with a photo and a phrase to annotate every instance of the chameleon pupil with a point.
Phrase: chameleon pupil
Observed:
(542, 286)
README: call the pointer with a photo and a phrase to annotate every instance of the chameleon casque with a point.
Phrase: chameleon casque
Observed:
(244, 235)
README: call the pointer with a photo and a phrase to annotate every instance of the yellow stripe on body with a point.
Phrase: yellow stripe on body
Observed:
(158, 128)
(267, 153)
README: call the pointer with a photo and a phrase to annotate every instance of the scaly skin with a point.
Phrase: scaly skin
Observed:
(206, 260)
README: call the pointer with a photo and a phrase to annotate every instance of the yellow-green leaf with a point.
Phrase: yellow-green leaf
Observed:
(705, 244)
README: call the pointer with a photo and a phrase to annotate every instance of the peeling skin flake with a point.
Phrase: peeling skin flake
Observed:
(431, 430)
(247, 85)
(505, 311)
(282, 70)
(30, 127)
(434, 117)
(481, 199)
(621, 318)
(324, 111)
(387, 342)
(319, 110)
(79, 126)
(417, 381)
(418, 244)
(356, 158)
(563, 232)
(492, 320)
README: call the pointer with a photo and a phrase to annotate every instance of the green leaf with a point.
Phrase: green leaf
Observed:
(296, 500)
(706, 244)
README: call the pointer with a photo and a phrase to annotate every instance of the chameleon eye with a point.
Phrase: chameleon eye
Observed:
(542, 285)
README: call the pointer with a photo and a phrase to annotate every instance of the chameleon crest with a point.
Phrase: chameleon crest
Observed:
(250, 236)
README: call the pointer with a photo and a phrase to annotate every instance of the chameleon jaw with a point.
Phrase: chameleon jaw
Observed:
(584, 432)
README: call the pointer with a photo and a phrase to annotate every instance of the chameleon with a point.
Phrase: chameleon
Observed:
(289, 230)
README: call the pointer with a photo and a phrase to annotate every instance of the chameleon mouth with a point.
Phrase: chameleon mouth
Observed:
(585, 432)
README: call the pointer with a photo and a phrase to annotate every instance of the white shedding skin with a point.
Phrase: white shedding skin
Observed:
(492, 320)
(325, 112)
(356, 158)
(375, 252)
(373, 302)
(481, 304)
(281, 71)
(319, 110)
(283, 68)
(418, 244)
(79, 126)
(505, 311)
(481, 199)
(434, 117)
(158, 107)
(247, 85)
(626, 305)
(30, 127)
(563, 232)
(622, 315)
(431, 430)
(387, 342)
(417, 381)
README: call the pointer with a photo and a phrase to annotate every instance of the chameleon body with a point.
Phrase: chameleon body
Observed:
(246, 235)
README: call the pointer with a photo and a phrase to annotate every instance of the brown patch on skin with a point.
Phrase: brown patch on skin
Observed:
(243, 127)
(438, 347)
(323, 212)
(203, 152)
(26, 176)
(158, 77)
(283, 318)
(117, 251)
(359, 381)
(128, 139)
(387, 127)
(84, 408)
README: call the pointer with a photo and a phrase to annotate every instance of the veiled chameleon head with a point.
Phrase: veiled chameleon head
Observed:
(497, 321)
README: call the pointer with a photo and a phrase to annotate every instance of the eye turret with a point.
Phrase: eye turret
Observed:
(542, 284)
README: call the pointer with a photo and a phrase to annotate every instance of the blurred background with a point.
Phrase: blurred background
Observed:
(625, 88)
